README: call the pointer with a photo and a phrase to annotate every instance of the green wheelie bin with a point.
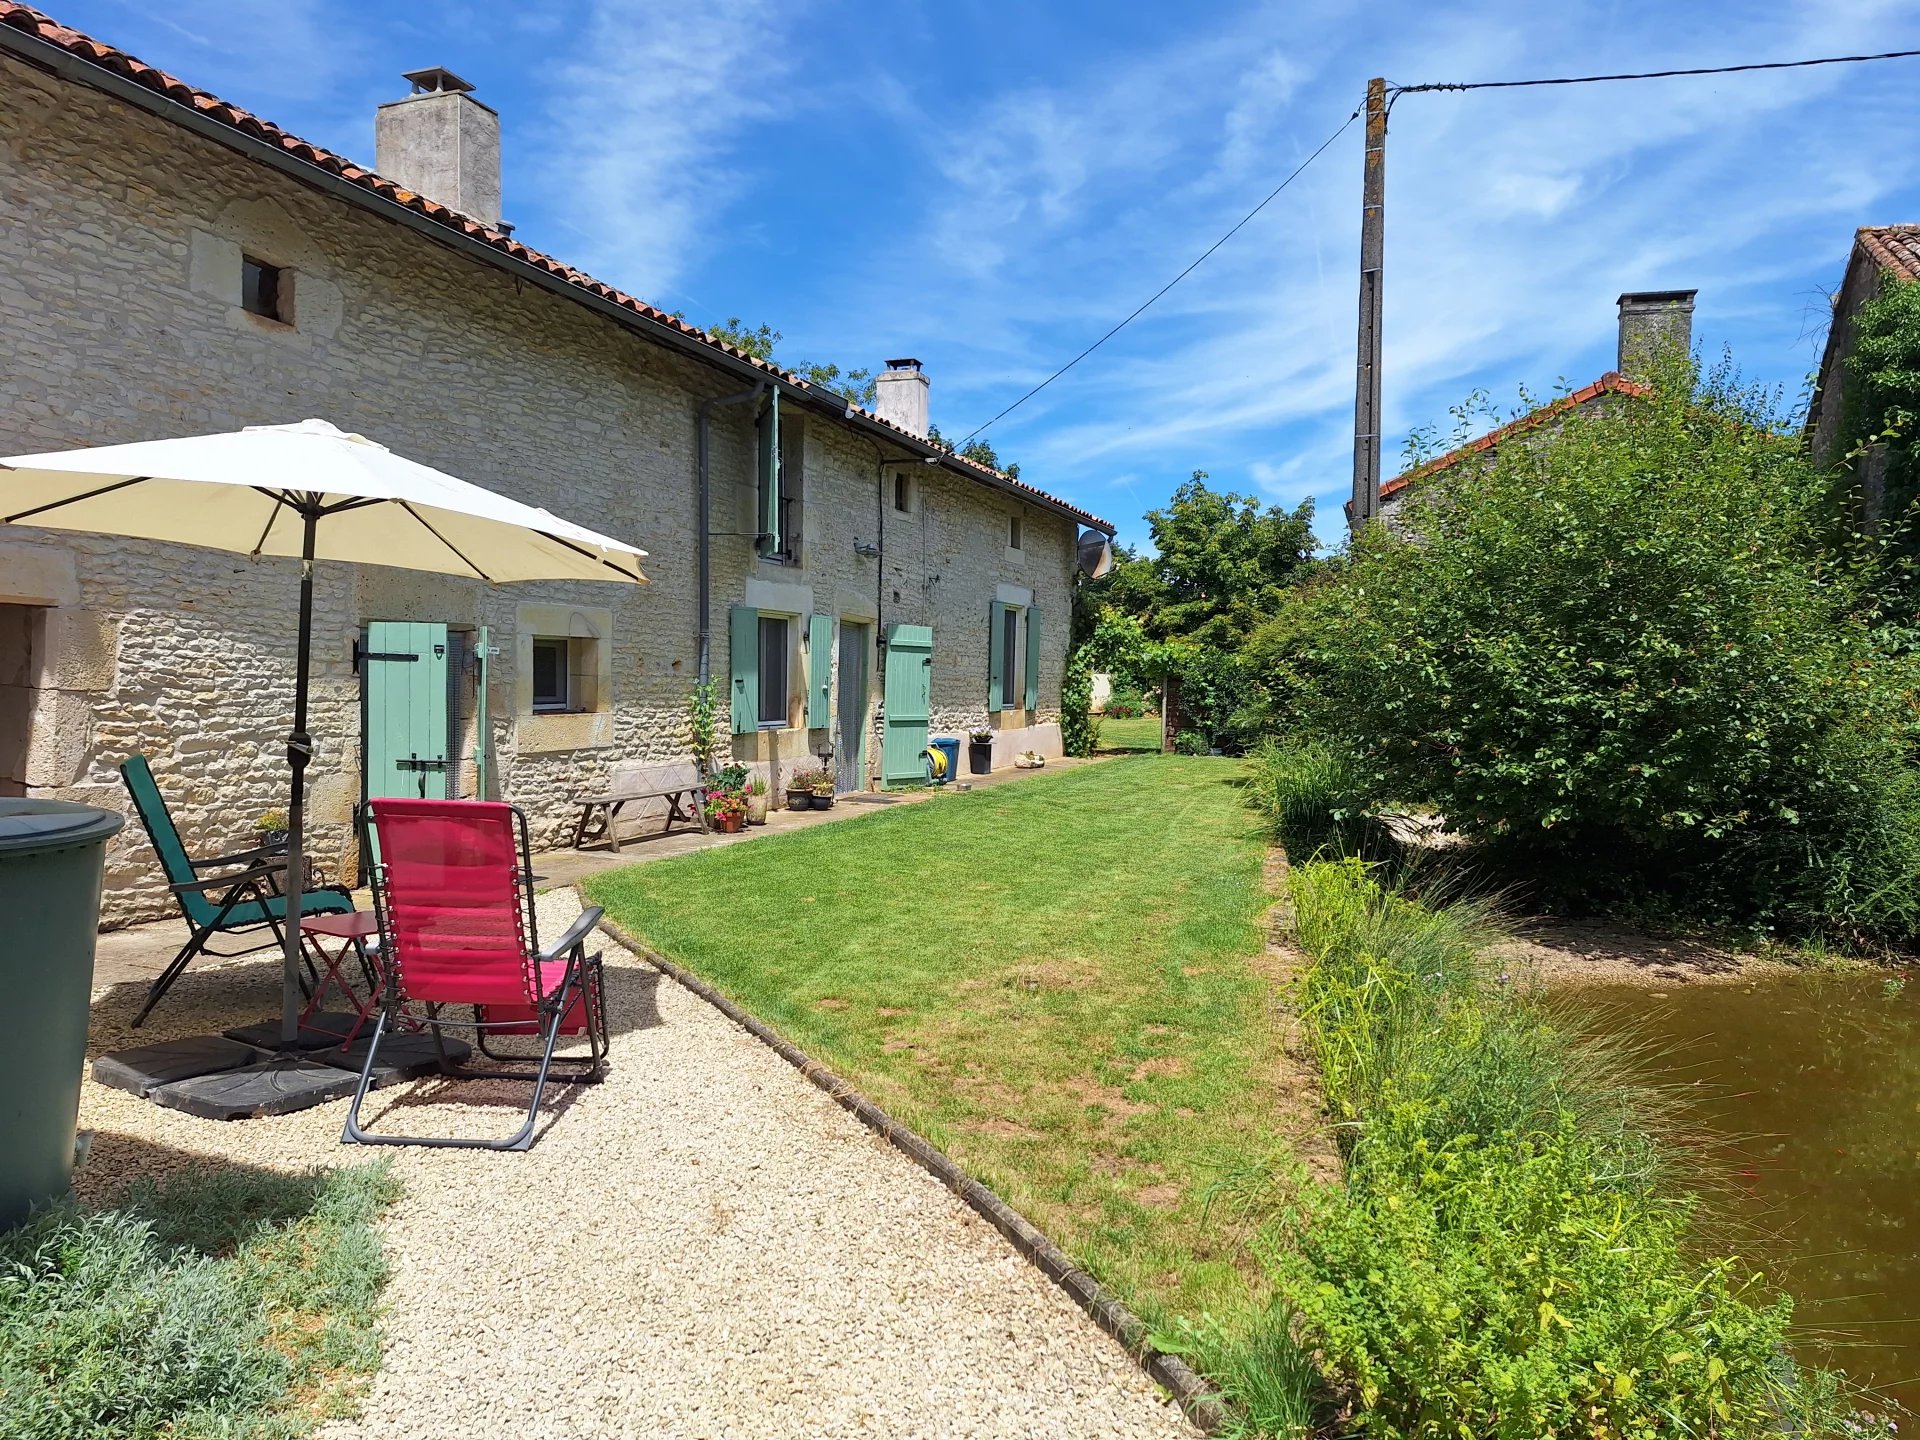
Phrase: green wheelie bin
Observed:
(52, 855)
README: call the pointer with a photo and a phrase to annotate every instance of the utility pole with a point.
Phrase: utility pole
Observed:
(1366, 396)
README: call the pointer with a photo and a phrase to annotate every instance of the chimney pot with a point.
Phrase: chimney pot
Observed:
(900, 396)
(1653, 323)
(440, 142)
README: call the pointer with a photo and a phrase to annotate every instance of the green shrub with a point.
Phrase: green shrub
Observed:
(1510, 1255)
(1617, 655)
(1314, 798)
(1079, 726)
(218, 1304)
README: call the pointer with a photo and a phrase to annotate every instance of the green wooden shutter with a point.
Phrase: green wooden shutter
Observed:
(769, 424)
(996, 652)
(403, 677)
(1033, 658)
(819, 671)
(906, 701)
(744, 642)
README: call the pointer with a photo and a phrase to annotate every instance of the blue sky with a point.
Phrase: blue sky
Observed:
(989, 186)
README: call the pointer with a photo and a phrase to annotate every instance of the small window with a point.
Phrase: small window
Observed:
(260, 288)
(903, 494)
(1010, 650)
(773, 671)
(552, 676)
(1013, 532)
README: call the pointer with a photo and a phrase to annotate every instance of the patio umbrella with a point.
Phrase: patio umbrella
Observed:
(317, 492)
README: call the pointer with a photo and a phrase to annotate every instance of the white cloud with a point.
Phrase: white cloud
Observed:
(641, 128)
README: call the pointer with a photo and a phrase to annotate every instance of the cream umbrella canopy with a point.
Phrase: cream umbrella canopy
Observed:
(316, 492)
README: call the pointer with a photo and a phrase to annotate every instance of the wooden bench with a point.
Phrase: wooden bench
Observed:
(677, 783)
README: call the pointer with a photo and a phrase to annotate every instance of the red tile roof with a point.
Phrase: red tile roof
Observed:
(1894, 247)
(43, 27)
(1611, 383)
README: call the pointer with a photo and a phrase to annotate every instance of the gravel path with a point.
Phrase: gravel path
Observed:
(702, 1246)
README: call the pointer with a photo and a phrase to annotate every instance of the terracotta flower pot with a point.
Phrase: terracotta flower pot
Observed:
(729, 824)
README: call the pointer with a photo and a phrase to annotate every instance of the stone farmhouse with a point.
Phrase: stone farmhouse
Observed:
(1651, 322)
(172, 265)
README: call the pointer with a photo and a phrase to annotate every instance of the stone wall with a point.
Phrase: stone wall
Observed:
(119, 321)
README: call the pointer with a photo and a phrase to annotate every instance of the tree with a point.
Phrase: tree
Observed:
(1222, 563)
(760, 341)
(1620, 656)
(981, 452)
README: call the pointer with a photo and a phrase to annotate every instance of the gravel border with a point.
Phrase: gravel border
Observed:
(1197, 1399)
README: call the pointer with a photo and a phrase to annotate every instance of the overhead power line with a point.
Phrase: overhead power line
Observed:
(1272, 195)
(1651, 74)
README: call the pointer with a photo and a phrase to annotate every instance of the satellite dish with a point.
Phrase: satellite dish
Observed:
(1096, 553)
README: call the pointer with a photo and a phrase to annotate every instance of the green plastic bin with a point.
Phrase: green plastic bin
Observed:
(52, 855)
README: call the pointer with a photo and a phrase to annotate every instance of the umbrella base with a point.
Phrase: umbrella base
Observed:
(276, 1086)
(146, 1068)
(316, 1032)
(219, 1077)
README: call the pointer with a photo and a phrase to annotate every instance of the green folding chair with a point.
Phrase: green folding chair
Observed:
(241, 899)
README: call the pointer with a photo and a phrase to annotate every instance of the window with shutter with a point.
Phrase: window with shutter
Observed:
(769, 541)
(1009, 651)
(773, 671)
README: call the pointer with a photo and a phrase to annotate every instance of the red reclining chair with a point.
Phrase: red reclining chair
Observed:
(453, 892)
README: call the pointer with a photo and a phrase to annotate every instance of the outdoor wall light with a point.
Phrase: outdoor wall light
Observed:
(867, 549)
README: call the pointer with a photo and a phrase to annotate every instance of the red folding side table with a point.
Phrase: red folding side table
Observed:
(353, 930)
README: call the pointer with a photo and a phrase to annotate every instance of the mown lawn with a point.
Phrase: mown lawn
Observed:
(1138, 732)
(1057, 981)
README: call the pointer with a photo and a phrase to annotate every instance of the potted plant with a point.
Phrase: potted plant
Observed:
(799, 792)
(979, 751)
(821, 783)
(756, 801)
(727, 810)
(270, 831)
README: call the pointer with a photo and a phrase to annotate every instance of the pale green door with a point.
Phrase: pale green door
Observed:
(907, 703)
(404, 687)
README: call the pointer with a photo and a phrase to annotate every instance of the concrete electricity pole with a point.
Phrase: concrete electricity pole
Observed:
(1366, 398)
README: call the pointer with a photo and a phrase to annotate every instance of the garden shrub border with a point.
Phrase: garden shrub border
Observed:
(1198, 1400)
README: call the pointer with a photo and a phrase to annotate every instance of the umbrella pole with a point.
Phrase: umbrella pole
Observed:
(299, 752)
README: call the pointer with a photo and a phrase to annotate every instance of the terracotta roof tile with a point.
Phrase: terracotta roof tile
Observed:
(1611, 383)
(1895, 247)
(44, 27)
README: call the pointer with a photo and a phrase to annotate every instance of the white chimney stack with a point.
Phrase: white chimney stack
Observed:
(443, 144)
(900, 396)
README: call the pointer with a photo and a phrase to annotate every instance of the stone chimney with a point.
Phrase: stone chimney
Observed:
(442, 143)
(1652, 323)
(900, 396)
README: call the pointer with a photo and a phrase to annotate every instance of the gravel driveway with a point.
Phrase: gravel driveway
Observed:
(703, 1245)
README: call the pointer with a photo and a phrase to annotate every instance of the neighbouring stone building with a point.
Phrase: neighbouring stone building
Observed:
(1880, 253)
(1651, 322)
(171, 265)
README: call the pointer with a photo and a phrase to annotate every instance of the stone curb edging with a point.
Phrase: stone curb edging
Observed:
(1195, 1397)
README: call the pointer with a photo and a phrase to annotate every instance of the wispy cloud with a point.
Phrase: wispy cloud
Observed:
(1514, 219)
(641, 128)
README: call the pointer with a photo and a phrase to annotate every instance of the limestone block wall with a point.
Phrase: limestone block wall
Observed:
(119, 321)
